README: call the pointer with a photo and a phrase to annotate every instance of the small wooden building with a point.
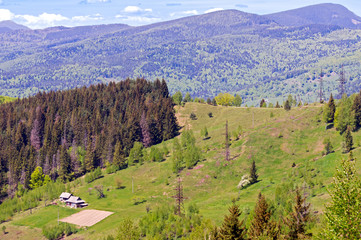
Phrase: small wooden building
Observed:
(65, 196)
(75, 202)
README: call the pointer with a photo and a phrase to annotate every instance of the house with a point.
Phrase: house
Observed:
(65, 196)
(75, 202)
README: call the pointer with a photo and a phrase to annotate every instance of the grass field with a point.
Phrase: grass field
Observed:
(274, 138)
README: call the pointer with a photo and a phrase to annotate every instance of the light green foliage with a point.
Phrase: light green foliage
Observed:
(187, 97)
(128, 230)
(328, 146)
(92, 176)
(164, 224)
(53, 232)
(224, 99)
(270, 105)
(38, 179)
(136, 154)
(343, 114)
(155, 154)
(177, 156)
(206, 230)
(237, 102)
(204, 133)
(177, 98)
(343, 219)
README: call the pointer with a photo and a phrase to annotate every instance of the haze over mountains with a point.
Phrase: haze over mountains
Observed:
(257, 56)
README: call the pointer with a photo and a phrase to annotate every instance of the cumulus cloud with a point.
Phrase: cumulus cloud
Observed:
(42, 21)
(5, 14)
(214, 10)
(95, 17)
(184, 13)
(136, 9)
(45, 20)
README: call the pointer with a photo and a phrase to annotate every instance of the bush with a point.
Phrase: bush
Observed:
(111, 169)
(92, 176)
(155, 154)
(56, 231)
(193, 116)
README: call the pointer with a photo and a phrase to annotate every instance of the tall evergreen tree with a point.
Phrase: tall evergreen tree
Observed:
(119, 159)
(332, 107)
(253, 173)
(348, 140)
(356, 110)
(232, 228)
(65, 166)
(299, 218)
(89, 160)
(287, 105)
(262, 225)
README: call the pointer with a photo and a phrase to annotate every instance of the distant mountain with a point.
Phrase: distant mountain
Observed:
(224, 51)
(327, 14)
(8, 26)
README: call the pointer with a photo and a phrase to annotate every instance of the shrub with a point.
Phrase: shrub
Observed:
(111, 169)
(92, 176)
(56, 231)
(193, 116)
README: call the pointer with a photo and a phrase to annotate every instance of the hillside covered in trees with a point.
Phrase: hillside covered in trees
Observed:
(226, 51)
(69, 133)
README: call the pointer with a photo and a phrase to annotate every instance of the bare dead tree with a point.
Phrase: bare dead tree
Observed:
(227, 143)
(179, 197)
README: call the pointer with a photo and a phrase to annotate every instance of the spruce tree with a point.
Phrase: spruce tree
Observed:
(253, 173)
(118, 159)
(232, 228)
(89, 159)
(287, 106)
(332, 108)
(356, 109)
(65, 167)
(297, 220)
(348, 140)
(261, 224)
(277, 105)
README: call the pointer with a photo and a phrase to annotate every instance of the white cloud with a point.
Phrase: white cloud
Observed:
(132, 9)
(5, 14)
(214, 10)
(87, 18)
(43, 20)
(137, 20)
(136, 9)
(191, 12)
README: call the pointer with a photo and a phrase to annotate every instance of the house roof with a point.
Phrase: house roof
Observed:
(74, 199)
(65, 195)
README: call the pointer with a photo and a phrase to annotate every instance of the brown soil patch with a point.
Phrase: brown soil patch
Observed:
(87, 218)
(318, 146)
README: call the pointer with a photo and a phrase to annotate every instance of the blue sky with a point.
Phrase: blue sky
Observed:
(47, 13)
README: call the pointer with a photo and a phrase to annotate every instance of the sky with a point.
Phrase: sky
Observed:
(48, 13)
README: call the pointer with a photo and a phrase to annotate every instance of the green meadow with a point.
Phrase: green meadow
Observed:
(287, 147)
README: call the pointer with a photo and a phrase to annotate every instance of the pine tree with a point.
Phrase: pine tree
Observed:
(348, 140)
(298, 218)
(119, 159)
(262, 225)
(89, 159)
(179, 198)
(277, 105)
(332, 108)
(287, 106)
(356, 110)
(65, 166)
(253, 173)
(232, 228)
(147, 141)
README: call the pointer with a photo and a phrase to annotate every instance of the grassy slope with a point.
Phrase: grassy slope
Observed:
(214, 182)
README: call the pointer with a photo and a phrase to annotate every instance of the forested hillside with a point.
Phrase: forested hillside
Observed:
(69, 133)
(225, 51)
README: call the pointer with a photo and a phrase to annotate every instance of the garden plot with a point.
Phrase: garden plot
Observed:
(87, 218)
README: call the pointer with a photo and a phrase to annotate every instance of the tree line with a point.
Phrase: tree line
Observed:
(69, 133)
